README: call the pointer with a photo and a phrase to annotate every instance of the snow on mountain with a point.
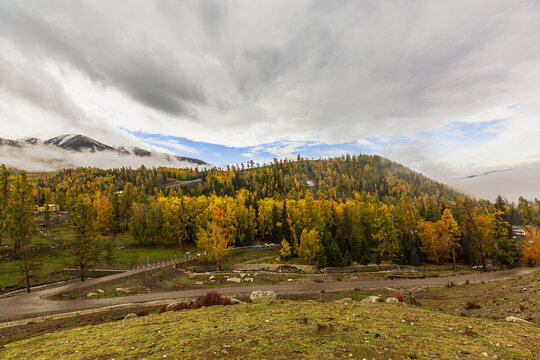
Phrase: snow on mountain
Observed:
(74, 150)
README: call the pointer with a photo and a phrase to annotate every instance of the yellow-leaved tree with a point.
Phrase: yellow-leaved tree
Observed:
(440, 239)
(104, 222)
(214, 240)
(531, 249)
(310, 245)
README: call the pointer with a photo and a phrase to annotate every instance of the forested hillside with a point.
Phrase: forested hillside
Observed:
(333, 212)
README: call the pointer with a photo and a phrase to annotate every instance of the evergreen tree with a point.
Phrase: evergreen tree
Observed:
(84, 246)
(347, 259)
(334, 255)
(20, 221)
(4, 197)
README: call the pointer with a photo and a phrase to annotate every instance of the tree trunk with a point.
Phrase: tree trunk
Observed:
(454, 256)
(26, 273)
(82, 272)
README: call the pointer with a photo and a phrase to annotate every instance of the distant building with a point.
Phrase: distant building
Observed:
(47, 207)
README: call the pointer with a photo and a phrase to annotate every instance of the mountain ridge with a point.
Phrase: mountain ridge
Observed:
(79, 145)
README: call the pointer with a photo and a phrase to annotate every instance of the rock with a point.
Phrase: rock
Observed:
(409, 299)
(171, 306)
(289, 280)
(515, 319)
(199, 283)
(242, 275)
(130, 316)
(259, 295)
(371, 300)
(344, 300)
(248, 279)
(234, 279)
(235, 301)
(392, 300)
(122, 289)
(91, 294)
(212, 278)
(100, 291)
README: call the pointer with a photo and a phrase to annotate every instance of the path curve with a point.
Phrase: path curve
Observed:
(38, 303)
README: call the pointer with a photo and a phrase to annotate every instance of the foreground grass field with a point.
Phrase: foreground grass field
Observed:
(281, 329)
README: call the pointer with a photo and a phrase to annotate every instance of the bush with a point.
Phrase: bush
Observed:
(399, 296)
(142, 313)
(162, 309)
(212, 298)
(471, 304)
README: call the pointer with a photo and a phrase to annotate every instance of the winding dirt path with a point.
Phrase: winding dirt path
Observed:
(39, 303)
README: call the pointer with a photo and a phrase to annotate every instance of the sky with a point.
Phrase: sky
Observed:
(450, 89)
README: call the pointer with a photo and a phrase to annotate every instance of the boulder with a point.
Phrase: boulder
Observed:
(91, 294)
(392, 300)
(515, 319)
(100, 291)
(212, 278)
(248, 279)
(235, 301)
(171, 306)
(130, 316)
(234, 279)
(371, 300)
(199, 283)
(260, 295)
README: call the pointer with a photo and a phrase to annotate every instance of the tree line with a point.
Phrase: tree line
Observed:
(362, 209)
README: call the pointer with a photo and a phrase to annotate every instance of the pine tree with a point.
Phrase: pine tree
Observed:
(334, 255)
(20, 221)
(4, 197)
(347, 259)
(84, 246)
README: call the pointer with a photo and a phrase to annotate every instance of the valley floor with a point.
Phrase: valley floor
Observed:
(322, 325)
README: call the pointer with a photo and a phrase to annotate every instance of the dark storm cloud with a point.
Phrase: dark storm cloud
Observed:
(257, 71)
(83, 36)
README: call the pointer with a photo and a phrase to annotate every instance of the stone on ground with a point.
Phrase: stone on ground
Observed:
(259, 295)
(371, 300)
(130, 316)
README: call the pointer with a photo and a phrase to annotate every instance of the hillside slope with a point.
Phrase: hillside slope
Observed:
(288, 329)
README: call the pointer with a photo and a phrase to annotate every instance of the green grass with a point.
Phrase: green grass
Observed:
(251, 255)
(287, 330)
(518, 296)
(52, 256)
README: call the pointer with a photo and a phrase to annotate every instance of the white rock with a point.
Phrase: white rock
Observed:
(199, 283)
(130, 316)
(258, 295)
(91, 294)
(371, 300)
(100, 291)
(248, 279)
(234, 279)
(392, 300)
(515, 319)
(211, 277)
(289, 280)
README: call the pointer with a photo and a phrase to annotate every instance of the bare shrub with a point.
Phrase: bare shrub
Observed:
(471, 304)
(399, 296)
(212, 298)
(143, 312)
(162, 309)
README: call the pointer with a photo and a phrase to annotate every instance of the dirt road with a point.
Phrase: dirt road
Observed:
(38, 303)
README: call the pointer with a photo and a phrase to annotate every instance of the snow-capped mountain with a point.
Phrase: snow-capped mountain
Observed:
(73, 150)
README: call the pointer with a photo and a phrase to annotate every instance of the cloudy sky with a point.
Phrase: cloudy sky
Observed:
(449, 88)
